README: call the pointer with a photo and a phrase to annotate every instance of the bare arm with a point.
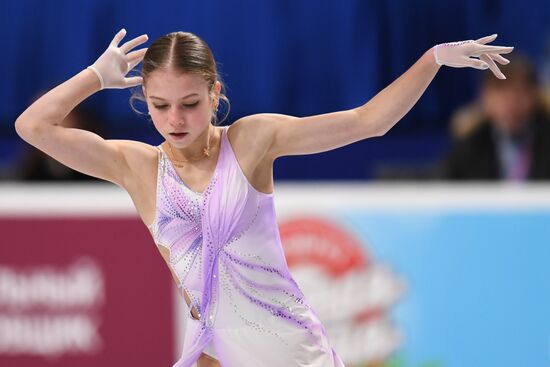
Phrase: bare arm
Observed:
(41, 123)
(389, 106)
(288, 135)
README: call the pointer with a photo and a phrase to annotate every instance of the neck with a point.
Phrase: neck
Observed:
(196, 150)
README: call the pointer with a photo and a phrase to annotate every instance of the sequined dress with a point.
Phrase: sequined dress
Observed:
(226, 252)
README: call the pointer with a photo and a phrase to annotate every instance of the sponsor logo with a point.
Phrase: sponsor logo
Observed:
(349, 291)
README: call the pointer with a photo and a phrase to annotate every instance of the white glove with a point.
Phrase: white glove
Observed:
(458, 54)
(113, 65)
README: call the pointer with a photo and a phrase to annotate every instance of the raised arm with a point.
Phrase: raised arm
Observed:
(289, 135)
(41, 123)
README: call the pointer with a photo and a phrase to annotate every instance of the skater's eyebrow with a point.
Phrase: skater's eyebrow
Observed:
(187, 96)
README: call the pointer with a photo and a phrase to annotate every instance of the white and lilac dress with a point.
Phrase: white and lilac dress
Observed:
(226, 252)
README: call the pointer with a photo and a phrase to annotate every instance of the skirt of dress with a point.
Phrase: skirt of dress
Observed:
(252, 347)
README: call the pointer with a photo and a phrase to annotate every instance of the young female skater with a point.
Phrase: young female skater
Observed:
(206, 192)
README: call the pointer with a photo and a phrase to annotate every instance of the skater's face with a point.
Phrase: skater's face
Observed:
(180, 103)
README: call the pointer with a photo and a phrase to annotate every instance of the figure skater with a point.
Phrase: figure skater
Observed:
(206, 192)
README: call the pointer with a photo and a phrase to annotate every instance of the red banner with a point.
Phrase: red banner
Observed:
(83, 292)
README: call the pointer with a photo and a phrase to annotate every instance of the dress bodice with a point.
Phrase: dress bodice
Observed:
(226, 252)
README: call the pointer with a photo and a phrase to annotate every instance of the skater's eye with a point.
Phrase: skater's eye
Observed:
(192, 104)
(162, 107)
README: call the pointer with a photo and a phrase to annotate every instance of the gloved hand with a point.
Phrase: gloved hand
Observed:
(464, 53)
(113, 65)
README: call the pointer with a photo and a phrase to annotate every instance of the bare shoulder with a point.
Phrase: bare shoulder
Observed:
(251, 138)
(141, 162)
(254, 134)
(136, 151)
(140, 177)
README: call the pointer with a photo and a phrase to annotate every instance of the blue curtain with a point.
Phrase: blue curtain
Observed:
(286, 56)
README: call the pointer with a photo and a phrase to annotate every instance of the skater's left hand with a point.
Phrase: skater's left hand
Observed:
(463, 54)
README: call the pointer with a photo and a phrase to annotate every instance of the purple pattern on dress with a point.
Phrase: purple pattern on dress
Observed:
(226, 252)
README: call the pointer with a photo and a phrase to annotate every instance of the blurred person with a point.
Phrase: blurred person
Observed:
(35, 165)
(206, 192)
(505, 135)
(545, 67)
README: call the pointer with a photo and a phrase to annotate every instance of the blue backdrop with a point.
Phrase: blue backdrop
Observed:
(285, 56)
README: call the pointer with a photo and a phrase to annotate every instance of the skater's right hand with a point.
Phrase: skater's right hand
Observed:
(113, 65)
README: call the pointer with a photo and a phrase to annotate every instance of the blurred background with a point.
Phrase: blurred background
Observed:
(293, 57)
(460, 182)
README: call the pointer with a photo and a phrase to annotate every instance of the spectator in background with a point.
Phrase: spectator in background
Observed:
(545, 68)
(506, 134)
(34, 165)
